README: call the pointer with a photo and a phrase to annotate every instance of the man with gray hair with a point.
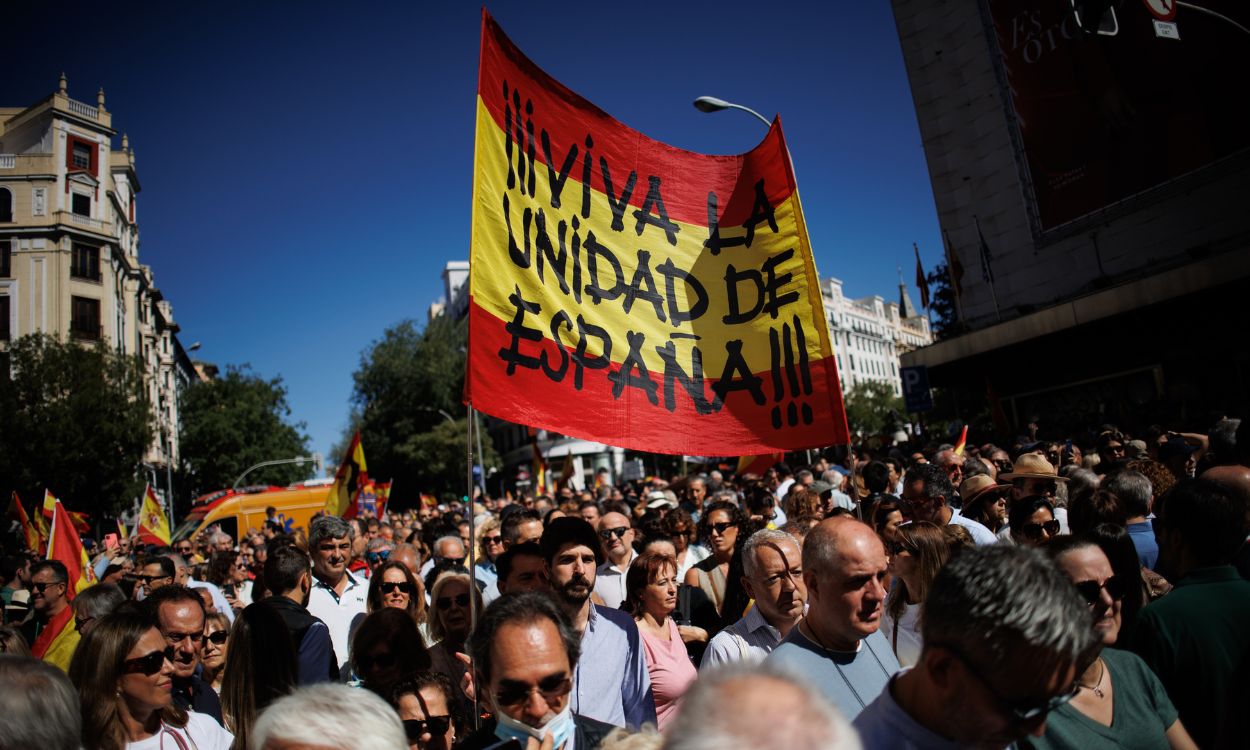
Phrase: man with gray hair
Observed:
(1137, 495)
(773, 576)
(39, 706)
(328, 716)
(748, 707)
(1006, 636)
(337, 596)
(837, 646)
(93, 603)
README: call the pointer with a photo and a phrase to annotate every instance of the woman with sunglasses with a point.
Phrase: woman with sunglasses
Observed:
(1032, 521)
(426, 704)
(918, 553)
(123, 670)
(449, 625)
(1119, 701)
(213, 650)
(393, 585)
(651, 597)
(719, 526)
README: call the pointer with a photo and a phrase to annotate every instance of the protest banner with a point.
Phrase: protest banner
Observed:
(629, 292)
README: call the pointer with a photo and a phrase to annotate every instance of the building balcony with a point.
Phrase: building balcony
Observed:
(28, 163)
(86, 222)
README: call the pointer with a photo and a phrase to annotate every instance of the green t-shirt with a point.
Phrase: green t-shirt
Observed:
(1140, 717)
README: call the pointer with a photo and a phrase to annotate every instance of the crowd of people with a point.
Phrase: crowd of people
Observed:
(1076, 593)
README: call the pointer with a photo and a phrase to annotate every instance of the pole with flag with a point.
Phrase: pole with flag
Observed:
(987, 272)
(59, 637)
(956, 271)
(153, 524)
(30, 533)
(350, 477)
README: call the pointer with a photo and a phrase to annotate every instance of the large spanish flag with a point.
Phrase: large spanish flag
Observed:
(64, 545)
(629, 292)
(152, 524)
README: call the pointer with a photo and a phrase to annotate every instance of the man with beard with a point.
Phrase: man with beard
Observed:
(837, 646)
(337, 596)
(773, 568)
(289, 580)
(614, 687)
(179, 612)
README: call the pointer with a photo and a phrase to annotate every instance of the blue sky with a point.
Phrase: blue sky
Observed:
(306, 167)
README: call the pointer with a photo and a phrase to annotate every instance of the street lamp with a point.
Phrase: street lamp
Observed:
(712, 104)
(314, 458)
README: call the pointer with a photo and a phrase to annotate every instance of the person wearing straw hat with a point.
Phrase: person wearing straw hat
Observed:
(1032, 474)
(985, 501)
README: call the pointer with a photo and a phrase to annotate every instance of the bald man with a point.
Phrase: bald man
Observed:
(837, 646)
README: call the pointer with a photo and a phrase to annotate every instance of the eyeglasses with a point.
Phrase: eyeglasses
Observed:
(240, 565)
(42, 587)
(898, 548)
(1091, 591)
(445, 602)
(495, 539)
(392, 587)
(607, 534)
(1034, 530)
(1021, 713)
(145, 580)
(381, 660)
(150, 664)
(217, 637)
(552, 689)
(720, 528)
(184, 550)
(435, 725)
(80, 622)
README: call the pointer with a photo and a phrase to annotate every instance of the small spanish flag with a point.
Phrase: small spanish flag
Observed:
(153, 524)
(963, 442)
(758, 464)
(30, 533)
(350, 477)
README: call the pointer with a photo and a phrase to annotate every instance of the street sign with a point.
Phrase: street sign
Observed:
(916, 393)
(1164, 10)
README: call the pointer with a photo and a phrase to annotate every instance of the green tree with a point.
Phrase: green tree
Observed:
(946, 322)
(75, 420)
(872, 408)
(233, 422)
(407, 386)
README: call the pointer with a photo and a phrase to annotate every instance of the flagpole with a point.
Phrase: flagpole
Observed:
(472, 551)
(52, 534)
(986, 273)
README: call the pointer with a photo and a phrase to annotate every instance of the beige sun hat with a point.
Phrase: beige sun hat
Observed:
(974, 487)
(1032, 466)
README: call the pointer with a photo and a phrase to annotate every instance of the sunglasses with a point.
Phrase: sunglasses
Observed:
(1091, 591)
(184, 550)
(145, 580)
(445, 602)
(1034, 530)
(451, 561)
(607, 534)
(435, 725)
(150, 664)
(552, 689)
(377, 557)
(81, 622)
(42, 587)
(1022, 713)
(217, 637)
(898, 548)
(383, 660)
(496, 539)
(392, 587)
(721, 528)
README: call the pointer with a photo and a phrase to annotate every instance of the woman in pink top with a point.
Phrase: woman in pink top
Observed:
(651, 596)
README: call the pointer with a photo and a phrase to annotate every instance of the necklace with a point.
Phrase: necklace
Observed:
(1097, 686)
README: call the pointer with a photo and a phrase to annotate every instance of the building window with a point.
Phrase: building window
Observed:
(6, 258)
(81, 204)
(86, 263)
(5, 333)
(82, 155)
(6, 204)
(85, 318)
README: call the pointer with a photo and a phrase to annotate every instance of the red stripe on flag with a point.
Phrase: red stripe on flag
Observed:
(530, 397)
(568, 120)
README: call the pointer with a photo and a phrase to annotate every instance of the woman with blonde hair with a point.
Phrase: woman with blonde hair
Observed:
(123, 669)
(213, 650)
(449, 625)
(916, 555)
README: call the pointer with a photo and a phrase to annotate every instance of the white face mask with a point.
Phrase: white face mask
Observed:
(560, 727)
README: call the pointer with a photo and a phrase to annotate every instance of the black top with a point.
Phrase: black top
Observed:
(198, 696)
(587, 735)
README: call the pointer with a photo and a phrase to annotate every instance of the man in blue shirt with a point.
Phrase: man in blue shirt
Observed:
(837, 646)
(1135, 491)
(611, 683)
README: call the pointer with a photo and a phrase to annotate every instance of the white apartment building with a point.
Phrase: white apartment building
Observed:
(869, 334)
(69, 249)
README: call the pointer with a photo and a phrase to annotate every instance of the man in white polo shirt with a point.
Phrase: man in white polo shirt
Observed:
(618, 543)
(337, 597)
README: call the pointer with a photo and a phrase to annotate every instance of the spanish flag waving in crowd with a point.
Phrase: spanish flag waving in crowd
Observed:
(348, 480)
(152, 524)
(59, 637)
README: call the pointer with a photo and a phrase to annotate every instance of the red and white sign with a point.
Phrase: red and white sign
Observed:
(1164, 10)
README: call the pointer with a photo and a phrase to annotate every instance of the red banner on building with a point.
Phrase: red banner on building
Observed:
(632, 293)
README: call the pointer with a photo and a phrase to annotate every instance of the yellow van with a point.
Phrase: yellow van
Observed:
(236, 511)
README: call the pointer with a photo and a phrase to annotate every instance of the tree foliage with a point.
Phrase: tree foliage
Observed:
(75, 420)
(872, 408)
(409, 382)
(233, 422)
(946, 322)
